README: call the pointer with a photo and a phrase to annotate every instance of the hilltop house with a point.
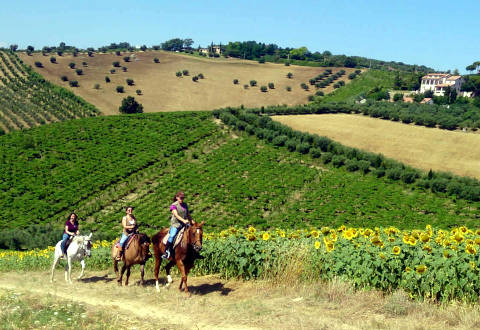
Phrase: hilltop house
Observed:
(438, 82)
(215, 49)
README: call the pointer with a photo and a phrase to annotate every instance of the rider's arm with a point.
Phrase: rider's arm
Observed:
(124, 224)
(68, 232)
(175, 213)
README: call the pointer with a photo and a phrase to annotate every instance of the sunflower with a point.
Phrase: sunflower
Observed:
(314, 234)
(333, 236)
(317, 245)
(391, 239)
(376, 241)
(266, 236)
(427, 247)
(463, 229)
(342, 228)
(281, 233)
(396, 250)
(348, 234)
(325, 230)
(251, 237)
(472, 264)
(470, 249)
(381, 255)
(412, 241)
(446, 254)
(330, 247)
(477, 231)
(408, 269)
(458, 237)
(421, 269)
(406, 239)
(425, 238)
(251, 230)
(367, 232)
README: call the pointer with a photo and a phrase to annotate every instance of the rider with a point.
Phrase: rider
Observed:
(129, 224)
(180, 218)
(71, 229)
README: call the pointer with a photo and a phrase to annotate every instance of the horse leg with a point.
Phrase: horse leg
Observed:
(128, 276)
(55, 262)
(82, 262)
(181, 267)
(119, 279)
(167, 269)
(142, 268)
(158, 262)
(68, 270)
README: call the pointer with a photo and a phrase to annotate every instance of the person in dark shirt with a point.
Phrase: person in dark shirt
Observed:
(71, 229)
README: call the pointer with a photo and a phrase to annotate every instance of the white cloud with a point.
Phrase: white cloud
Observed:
(3, 44)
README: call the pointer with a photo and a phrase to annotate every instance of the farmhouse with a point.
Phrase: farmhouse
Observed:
(438, 82)
(212, 49)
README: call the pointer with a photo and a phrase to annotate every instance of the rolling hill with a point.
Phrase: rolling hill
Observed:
(162, 90)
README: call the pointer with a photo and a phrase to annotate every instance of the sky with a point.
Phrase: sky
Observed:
(441, 34)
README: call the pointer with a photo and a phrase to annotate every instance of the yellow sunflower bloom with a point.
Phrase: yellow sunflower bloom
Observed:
(477, 240)
(317, 245)
(347, 235)
(251, 237)
(408, 269)
(470, 249)
(406, 239)
(368, 232)
(266, 236)
(458, 237)
(477, 231)
(427, 247)
(330, 247)
(251, 230)
(315, 234)
(396, 250)
(412, 241)
(424, 238)
(463, 229)
(472, 264)
(381, 255)
(446, 254)
(421, 269)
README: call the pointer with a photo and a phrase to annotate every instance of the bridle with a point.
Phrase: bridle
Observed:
(194, 244)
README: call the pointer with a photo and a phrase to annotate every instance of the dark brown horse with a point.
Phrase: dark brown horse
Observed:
(184, 256)
(137, 252)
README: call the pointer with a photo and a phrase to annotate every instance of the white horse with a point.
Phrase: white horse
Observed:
(79, 248)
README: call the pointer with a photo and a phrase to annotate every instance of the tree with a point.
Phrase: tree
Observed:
(30, 49)
(194, 78)
(143, 48)
(289, 75)
(53, 59)
(138, 91)
(107, 79)
(126, 58)
(130, 105)
(71, 65)
(96, 86)
(38, 64)
(263, 88)
(350, 62)
(397, 97)
(73, 83)
(13, 48)
(288, 88)
(79, 72)
(156, 60)
(112, 71)
(187, 43)
(185, 72)
(253, 83)
(119, 89)
(116, 64)
(59, 52)
(235, 81)
(130, 82)
(178, 74)
(201, 76)
(64, 78)
(173, 44)
(271, 85)
(299, 53)
(124, 68)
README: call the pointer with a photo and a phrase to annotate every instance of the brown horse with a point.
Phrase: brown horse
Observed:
(137, 252)
(185, 252)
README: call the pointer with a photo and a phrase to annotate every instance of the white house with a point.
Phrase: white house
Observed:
(212, 49)
(438, 82)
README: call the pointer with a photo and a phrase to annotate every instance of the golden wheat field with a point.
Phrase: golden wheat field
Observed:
(421, 147)
(162, 90)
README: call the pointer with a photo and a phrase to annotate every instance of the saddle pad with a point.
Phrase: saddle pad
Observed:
(127, 242)
(177, 240)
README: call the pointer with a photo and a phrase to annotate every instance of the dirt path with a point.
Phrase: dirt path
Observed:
(222, 304)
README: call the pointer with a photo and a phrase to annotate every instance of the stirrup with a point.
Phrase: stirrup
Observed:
(166, 255)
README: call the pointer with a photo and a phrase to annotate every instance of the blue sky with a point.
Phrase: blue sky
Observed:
(442, 34)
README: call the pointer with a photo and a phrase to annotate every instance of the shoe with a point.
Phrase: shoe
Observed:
(166, 255)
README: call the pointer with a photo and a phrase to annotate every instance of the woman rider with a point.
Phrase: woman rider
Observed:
(71, 229)
(129, 224)
(180, 217)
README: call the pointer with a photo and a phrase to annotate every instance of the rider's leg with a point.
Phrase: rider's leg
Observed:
(168, 247)
(120, 249)
(65, 238)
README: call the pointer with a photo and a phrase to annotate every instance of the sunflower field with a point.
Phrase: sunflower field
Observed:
(432, 264)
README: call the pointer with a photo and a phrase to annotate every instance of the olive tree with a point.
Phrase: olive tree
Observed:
(130, 105)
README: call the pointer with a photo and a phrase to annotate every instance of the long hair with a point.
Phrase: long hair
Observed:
(178, 194)
(70, 215)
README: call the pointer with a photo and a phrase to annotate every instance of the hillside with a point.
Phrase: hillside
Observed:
(27, 100)
(97, 166)
(162, 90)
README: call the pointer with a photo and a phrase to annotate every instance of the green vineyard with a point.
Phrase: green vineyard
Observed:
(27, 100)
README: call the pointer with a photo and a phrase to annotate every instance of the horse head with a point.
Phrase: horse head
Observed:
(195, 235)
(144, 243)
(87, 245)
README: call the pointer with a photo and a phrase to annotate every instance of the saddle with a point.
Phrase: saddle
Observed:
(67, 244)
(178, 238)
(127, 242)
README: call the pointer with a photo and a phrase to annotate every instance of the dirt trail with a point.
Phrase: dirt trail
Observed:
(220, 304)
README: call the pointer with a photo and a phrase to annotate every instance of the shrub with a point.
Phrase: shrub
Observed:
(124, 69)
(289, 75)
(394, 173)
(287, 63)
(263, 88)
(351, 165)
(312, 81)
(397, 97)
(126, 58)
(303, 148)
(118, 53)
(96, 86)
(116, 64)
(364, 166)
(338, 160)
(409, 176)
(59, 52)
(64, 78)
(310, 98)
(194, 78)
(336, 85)
(439, 185)
(316, 152)
(271, 85)
(90, 53)
(319, 93)
(53, 59)
(129, 81)
(71, 65)
(156, 60)
(185, 72)
(73, 83)
(38, 64)
(352, 76)
(326, 157)
(138, 91)
(245, 86)
(280, 140)
(235, 81)
(304, 86)
(291, 144)
(341, 83)
(358, 71)
(107, 79)
(379, 172)
(253, 83)
(178, 73)
(288, 88)
(261, 60)
(79, 72)
(130, 105)
(112, 71)
(120, 89)
(201, 76)
(84, 64)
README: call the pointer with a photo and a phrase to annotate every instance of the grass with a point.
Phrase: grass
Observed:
(417, 146)
(366, 81)
(163, 91)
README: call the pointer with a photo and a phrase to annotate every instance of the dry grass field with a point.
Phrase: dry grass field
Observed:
(420, 147)
(163, 91)
(220, 304)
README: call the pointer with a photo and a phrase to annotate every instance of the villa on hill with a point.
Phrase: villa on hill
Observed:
(215, 49)
(438, 82)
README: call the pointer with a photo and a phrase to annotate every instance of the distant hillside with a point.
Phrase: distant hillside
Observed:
(97, 166)
(28, 100)
(162, 90)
